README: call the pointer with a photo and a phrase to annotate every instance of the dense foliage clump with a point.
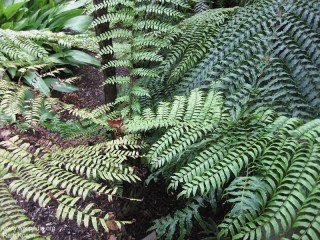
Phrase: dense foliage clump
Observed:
(227, 100)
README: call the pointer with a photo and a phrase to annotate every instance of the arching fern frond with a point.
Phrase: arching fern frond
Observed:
(65, 176)
(182, 219)
(14, 224)
(190, 118)
(272, 46)
(272, 161)
(195, 38)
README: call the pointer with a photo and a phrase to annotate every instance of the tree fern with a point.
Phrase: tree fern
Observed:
(137, 39)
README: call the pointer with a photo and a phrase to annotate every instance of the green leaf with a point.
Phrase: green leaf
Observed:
(78, 57)
(79, 218)
(59, 211)
(10, 11)
(34, 79)
(60, 86)
(78, 23)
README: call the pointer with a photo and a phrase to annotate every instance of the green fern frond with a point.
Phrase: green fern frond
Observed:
(137, 40)
(14, 224)
(289, 197)
(306, 225)
(270, 45)
(242, 194)
(67, 175)
(182, 219)
(271, 160)
(194, 41)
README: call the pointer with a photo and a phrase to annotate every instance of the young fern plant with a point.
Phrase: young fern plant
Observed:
(138, 32)
(19, 104)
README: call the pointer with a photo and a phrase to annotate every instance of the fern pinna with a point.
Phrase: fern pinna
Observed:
(269, 49)
(137, 39)
(65, 177)
(267, 166)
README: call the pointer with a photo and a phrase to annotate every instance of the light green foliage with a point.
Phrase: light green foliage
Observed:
(36, 108)
(273, 161)
(24, 53)
(14, 224)
(44, 14)
(139, 29)
(190, 120)
(66, 176)
(37, 58)
(16, 100)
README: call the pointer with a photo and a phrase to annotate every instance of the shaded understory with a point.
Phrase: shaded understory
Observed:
(156, 201)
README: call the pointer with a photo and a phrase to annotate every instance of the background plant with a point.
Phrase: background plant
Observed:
(54, 15)
(41, 59)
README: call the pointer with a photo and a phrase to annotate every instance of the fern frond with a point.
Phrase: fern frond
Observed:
(288, 199)
(271, 160)
(306, 225)
(194, 41)
(14, 222)
(271, 46)
(182, 219)
(67, 175)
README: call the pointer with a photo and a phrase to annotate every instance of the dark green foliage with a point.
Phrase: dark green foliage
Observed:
(183, 219)
(194, 41)
(274, 161)
(268, 50)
